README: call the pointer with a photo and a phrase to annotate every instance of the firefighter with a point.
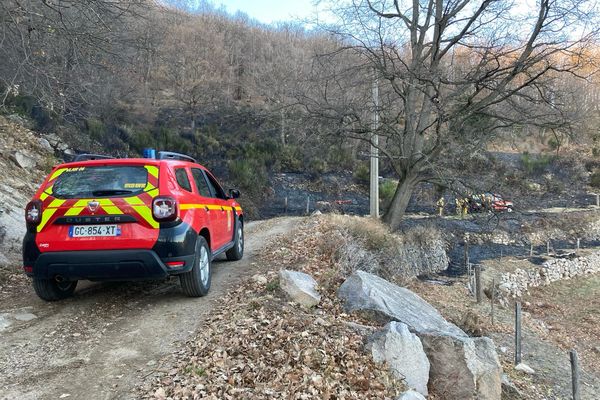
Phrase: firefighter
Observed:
(488, 202)
(440, 205)
(465, 207)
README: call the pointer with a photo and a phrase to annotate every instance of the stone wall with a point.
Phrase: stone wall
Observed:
(516, 283)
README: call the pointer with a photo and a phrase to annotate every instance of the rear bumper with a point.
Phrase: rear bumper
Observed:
(107, 265)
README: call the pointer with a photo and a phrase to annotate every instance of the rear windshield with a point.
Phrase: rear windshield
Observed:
(106, 181)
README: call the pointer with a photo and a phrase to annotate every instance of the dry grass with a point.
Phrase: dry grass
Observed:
(258, 345)
(570, 311)
(341, 244)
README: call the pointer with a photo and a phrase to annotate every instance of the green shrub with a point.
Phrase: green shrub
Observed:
(535, 164)
(553, 143)
(362, 173)
(141, 140)
(290, 159)
(316, 167)
(387, 189)
(95, 129)
(340, 158)
(250, 175)
(595, 151)
(21, 104)
(595, 179)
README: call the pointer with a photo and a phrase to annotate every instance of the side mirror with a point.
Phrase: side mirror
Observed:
(233, 193)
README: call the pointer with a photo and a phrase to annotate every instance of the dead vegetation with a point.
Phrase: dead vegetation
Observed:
(340, 245)
(256, 345)
(569, 312)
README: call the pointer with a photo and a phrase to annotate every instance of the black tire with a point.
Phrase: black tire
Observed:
(196, 283)
(51, 290)
(237, 251)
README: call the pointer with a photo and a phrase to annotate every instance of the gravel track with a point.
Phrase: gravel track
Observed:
(100, 343)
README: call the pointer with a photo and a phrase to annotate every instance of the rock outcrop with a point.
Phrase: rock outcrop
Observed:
(22, 158)
(382, 301)
(463, 368)
(403, 352)
(411, 395)
(460, 367)
(300, 287)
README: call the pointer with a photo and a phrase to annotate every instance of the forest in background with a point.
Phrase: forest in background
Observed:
(133, 74)
(128, 74)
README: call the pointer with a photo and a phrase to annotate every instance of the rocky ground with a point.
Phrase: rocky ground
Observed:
(25, 158)
(107, 338)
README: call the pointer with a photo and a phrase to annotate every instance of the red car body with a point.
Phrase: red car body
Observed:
(144, 221)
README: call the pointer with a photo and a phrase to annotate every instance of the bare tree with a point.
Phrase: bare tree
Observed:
(452, 73)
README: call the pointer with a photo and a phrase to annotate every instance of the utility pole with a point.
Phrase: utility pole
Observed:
(374, 180)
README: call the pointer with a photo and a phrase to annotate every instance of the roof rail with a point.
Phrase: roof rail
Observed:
(87, 157)
(168, 155)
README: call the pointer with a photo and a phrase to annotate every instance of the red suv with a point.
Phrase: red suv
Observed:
(105, 219)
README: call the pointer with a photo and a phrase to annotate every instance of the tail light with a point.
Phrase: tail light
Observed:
(164, 208)
(175, 264)
(33, 212)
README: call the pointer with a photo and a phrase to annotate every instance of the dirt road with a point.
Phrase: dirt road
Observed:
(99, 344)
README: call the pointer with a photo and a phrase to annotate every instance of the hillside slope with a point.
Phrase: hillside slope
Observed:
(25, 158)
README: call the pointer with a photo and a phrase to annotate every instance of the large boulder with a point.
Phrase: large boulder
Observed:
(463, 368)
(411, 395)
(460, 367)
(382, 301)
(300, 287)
(403, 353)
(23, 160)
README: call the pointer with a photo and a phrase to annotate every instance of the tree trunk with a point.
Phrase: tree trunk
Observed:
(393, 216)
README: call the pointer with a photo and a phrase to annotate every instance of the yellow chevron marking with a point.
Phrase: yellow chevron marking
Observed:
(134, 200)
(81, 203)
(145, 212)
(153, 193)
(46, 193)
(74, 211)
(152, 170)
(102, 202)
(56, 203)
(57, 173)
(112, 210)
(46, 215)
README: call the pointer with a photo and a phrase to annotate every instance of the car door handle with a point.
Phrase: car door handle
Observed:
(222, 208)
(206, 208)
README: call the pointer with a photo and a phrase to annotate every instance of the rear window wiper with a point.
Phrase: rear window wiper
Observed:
(108, 192)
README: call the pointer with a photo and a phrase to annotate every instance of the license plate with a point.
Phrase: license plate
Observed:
(94, 230)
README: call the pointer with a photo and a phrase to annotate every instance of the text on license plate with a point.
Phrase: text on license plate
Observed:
(94, 230)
